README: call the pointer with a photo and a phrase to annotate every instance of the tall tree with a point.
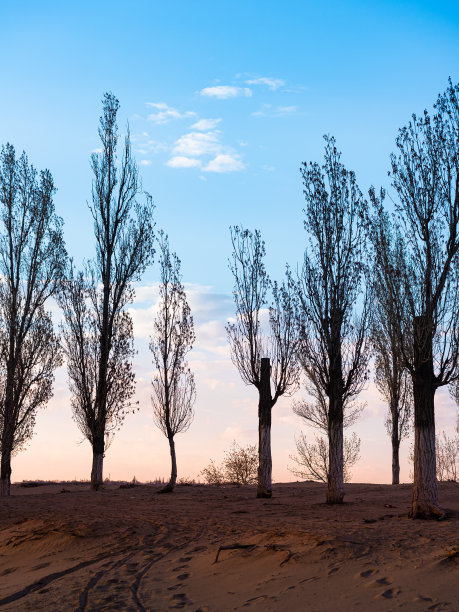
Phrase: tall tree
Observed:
(101, 338)
(391, 376)
(425, 174)
(262, 357)
(32, 259)
(81, 344)
(174, 389)
(334, 349)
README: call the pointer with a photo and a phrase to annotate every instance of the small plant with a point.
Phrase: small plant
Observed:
(239, 466)
(213, 474)
(186, 482)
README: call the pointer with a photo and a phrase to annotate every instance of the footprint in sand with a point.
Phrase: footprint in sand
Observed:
(424, 599)
(180, 599)
(380, 582)
(333, 571)
(366, 573)
(41, 566)
(389, 594)
(252, 600)
(183, 576)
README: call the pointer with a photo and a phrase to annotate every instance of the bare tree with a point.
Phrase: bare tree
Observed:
(425, 175)
(81, 343)
(334, 349)
(174, 389)
(123, 230)
(391, 376)
(262, 357)
(312, 459)
(32, 258)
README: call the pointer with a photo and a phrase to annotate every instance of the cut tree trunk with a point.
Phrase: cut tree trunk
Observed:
(264, 488)
(173, 479)
(97, 464)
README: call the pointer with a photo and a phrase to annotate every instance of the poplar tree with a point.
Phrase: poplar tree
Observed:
(334, 343)
(32, 260)
(174, 389)
(263, 358)
(99, 338)
(425, 286)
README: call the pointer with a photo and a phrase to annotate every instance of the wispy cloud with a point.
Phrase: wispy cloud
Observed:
(145, 162)
(203, 125)
(180, 161)
(223, 163)
(217, 157)
(224, 92)
(279, 111)
(273, 84)
(166, 113)
(195, 144)
(143, 144)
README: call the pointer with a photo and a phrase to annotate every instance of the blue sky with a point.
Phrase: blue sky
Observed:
(224, 101)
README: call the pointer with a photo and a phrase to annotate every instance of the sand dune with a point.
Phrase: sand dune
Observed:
(131, 549)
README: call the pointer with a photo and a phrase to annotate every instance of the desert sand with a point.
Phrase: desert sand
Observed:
(63, 547)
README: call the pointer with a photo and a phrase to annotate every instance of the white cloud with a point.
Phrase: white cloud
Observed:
(279, 111)
(145, 162)
(203, 125)
(195, 144)
(286, 110)
(166, 113)
(270, 82)
(180, 161)
(223, 92)
(225, 163)
(143, 143)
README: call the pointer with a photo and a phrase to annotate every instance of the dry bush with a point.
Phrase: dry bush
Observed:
(447, 457)
(239, 466)
(213, 474)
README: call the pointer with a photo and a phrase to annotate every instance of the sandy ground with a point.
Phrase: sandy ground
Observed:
(132, 549)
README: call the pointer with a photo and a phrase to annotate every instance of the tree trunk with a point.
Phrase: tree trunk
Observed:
(97, 463)
(264, 432)
(5, 473)
(424, 502)
(395, 447)
(173, 479)
(395, 461)
(335, 476)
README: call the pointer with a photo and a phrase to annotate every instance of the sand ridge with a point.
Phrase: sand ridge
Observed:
(220, 548)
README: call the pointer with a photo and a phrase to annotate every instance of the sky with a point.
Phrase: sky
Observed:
(223, 100)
